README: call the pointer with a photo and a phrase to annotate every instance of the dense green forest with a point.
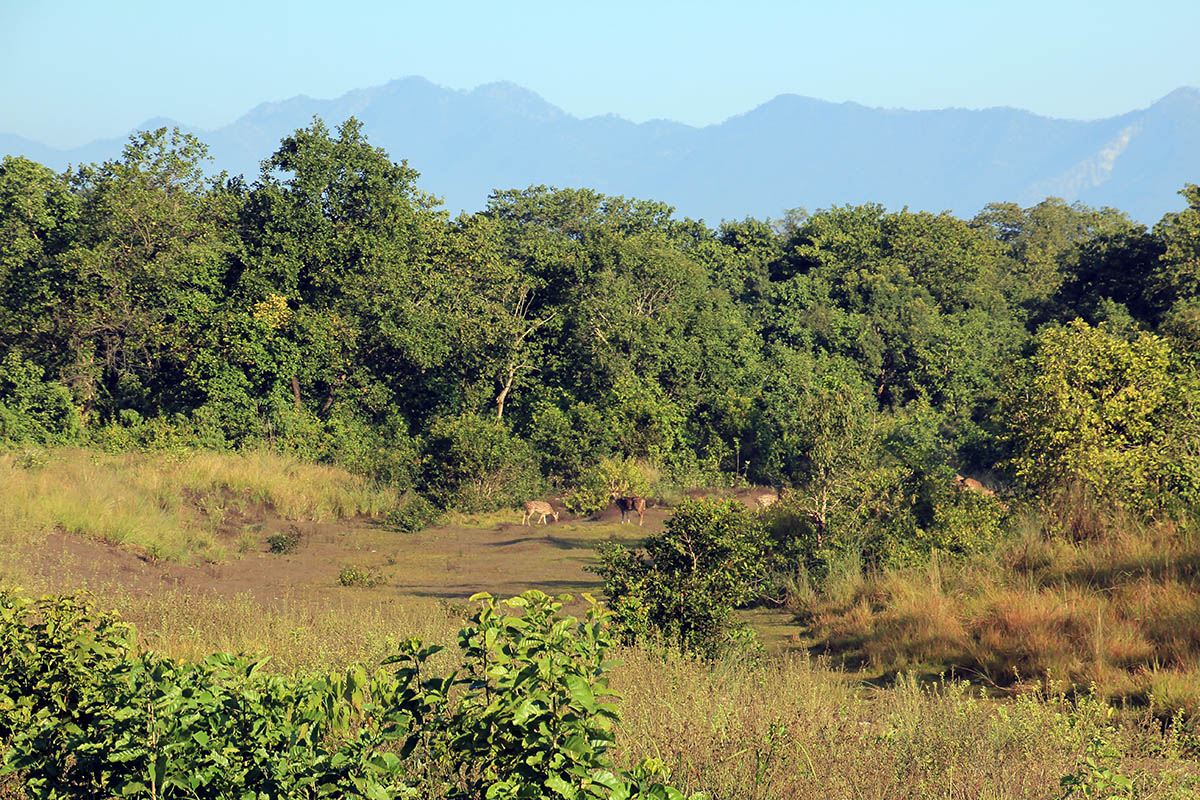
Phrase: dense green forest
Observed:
(566, 341)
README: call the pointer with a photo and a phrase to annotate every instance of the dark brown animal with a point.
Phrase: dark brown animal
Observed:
(629, 504)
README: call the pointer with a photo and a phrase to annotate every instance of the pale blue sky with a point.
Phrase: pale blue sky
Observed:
(76, 71)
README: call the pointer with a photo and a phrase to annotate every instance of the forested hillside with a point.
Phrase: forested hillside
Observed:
(563, 339)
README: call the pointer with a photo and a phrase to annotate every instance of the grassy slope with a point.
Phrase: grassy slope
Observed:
(170, 506)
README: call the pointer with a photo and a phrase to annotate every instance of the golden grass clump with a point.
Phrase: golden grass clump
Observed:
(1119, 613)
(170, 506)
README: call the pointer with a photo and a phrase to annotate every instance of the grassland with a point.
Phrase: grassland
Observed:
(171, 506)
(1116, 611)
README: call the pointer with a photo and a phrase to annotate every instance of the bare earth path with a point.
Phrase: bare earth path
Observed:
(447, 562)
(491, 553)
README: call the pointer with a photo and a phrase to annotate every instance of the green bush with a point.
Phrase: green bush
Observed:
(360, 576)
(528, 715)
(286, 542)
(414, 513)
(33, 409)
(475, 463)
(176, 433)
(611, 476)
(84, 715)
(684, 587)
(568, 441)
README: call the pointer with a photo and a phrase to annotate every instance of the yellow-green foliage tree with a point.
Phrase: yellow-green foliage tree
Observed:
(1116, 417)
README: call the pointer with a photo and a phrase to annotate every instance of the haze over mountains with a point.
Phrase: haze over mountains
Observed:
(791, 151)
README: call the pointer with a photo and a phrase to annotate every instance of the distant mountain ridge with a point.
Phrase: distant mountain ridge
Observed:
(790, 151)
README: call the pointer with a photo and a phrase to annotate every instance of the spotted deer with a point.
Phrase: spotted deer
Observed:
(631, 504)
(538, 507)
(765, 500)
(972, 485)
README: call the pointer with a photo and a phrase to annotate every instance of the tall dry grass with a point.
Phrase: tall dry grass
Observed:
(170, 505)
(789, 728)
(298, 633)
(1118, 613)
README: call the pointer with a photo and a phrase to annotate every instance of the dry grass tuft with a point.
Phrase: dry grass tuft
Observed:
(789, 728)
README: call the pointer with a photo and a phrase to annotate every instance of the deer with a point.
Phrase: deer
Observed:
(972, 485)
(631, 503)
(538, 507)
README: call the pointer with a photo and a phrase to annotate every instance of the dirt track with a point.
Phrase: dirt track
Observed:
(493, 553)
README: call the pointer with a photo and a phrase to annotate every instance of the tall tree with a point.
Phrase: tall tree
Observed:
(148, 267)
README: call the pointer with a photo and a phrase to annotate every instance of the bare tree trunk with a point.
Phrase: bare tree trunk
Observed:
(333, 387)
(296, 393)
(512, 374)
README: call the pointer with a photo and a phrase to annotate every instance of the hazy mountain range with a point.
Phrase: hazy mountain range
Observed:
(791, 151)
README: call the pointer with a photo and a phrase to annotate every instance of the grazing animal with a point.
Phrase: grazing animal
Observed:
(628, 504)
(538, 507)
(972, 485)
(765, 500)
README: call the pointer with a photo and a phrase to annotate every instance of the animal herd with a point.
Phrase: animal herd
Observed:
(629, 504)
(632, 504)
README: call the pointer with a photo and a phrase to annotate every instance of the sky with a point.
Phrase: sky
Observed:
(71, 72)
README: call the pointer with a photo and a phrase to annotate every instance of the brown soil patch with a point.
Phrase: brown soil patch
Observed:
(450, 562)
(445, 563)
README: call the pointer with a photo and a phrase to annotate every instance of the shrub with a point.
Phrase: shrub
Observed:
(360, 576)
(33, 409)
(690, 578)
(413, 514)
(286, 542)
(611, 476)
(529, 714)
(475, 463)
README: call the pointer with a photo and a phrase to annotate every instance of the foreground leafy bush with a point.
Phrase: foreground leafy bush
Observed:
(88, 716)
(690, 578)
(529, 715)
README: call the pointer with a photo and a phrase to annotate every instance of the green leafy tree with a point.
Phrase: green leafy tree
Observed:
(339, 235)
(913, 300)
(1043, 245)
(816, 432)
(1116, 417)
(38, 214)
(1175, 282)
